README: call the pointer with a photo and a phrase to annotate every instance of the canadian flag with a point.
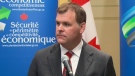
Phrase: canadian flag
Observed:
(90, 34)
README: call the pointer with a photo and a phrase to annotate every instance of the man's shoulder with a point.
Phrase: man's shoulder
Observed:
(97, 53)
(47, 50)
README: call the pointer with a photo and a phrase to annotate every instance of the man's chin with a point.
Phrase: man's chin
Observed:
(61, 41)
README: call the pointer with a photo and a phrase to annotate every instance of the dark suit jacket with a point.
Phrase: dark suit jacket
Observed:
(92, 62)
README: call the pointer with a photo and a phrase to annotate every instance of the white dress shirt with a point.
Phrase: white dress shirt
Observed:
(75, 57)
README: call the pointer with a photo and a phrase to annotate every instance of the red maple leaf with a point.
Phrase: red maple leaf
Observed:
(24, 16)
(93, 43)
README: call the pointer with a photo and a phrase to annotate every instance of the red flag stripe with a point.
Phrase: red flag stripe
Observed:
(80, 2)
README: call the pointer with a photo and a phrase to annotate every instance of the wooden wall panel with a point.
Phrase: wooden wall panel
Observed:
(106, 15)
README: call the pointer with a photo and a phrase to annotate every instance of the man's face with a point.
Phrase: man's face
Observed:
(67, 29)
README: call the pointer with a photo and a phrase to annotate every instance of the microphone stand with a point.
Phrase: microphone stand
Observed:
(69, 73)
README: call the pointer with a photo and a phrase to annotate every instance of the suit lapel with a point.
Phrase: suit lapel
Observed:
(85, 61)
(54, 59)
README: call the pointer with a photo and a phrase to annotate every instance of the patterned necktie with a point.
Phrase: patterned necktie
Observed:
(69, 54)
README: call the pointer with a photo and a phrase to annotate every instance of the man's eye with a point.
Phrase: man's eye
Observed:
(66, 24)
(57, 23)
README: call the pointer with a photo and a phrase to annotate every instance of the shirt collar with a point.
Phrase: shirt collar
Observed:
(76, 50)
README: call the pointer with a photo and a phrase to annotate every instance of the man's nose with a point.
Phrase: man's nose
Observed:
(60, 27)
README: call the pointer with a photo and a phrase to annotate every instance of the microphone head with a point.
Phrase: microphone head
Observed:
(64, 57)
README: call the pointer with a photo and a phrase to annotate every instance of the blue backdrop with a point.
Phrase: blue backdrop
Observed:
(25, 27)
(127, 37)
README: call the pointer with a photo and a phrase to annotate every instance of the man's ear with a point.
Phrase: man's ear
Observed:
(82, 27)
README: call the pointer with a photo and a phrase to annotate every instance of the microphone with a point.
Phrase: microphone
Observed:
(65, 61)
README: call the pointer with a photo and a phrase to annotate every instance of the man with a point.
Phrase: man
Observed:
(85, 61)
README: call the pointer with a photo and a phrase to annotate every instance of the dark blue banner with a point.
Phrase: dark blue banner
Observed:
(25, 27)
(127, 37)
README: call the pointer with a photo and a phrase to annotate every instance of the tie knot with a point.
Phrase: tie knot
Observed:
(69, 54)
